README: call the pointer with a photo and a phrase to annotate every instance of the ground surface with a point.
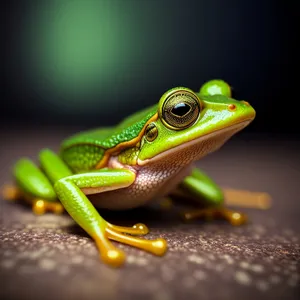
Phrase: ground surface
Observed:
(49, 257)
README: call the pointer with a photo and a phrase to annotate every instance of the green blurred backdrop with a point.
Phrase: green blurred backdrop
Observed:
(93, 62)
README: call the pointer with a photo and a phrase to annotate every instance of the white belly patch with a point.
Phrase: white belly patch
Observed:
(151, 182)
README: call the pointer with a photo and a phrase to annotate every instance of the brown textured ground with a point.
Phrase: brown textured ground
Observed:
(49, 257)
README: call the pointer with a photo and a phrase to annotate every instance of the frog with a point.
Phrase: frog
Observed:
(149, 155)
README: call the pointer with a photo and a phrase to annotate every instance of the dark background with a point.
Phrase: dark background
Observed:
(72, 65)
(148, 47)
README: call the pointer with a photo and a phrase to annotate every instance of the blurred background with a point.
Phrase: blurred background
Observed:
(91, 63)
(70, 65)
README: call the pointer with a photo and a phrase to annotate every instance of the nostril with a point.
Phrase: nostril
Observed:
(231, 107)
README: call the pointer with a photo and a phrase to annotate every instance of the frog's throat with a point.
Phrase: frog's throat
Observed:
(219, 136)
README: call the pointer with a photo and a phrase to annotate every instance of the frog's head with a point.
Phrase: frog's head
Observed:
(191, 125)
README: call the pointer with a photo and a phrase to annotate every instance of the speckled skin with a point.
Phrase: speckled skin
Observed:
(83, 151)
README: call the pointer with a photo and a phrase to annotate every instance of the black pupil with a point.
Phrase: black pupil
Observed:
(181, 109)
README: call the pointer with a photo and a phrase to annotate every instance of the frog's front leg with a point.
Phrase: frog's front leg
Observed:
(72, 191)
(201, 188)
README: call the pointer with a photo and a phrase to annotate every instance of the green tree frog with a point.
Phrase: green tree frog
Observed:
(148, 155)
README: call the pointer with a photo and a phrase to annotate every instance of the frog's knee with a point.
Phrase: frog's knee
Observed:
(33, 181)
(64, 188)
(59, 185)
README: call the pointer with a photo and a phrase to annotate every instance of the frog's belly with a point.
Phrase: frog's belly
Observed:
(149, 184)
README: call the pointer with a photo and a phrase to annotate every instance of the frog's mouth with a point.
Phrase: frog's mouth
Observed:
(197, 148)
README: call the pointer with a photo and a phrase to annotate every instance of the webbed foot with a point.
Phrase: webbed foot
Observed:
(39, 206)
(116, 257)
(157, 246)
(137, 229)
(233, 217)
(11, 192)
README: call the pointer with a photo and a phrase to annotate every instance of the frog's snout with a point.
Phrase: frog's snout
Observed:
(246, 103)
(233, 107)
(243, 109)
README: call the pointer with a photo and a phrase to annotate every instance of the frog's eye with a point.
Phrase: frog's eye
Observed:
(181, 110)
(151, 132)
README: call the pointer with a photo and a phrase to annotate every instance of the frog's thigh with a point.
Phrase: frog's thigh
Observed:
(203, 189)
(72, 192)
(34, 186)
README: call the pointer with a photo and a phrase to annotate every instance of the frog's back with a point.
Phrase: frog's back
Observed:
(86, 150)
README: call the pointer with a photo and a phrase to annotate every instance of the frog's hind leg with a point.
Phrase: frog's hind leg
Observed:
(35, 186)
(200, 188)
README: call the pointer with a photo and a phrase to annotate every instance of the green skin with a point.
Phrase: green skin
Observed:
(122, 167)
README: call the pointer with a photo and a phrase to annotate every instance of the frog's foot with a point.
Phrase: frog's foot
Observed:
(115, 257)
(40, 206)
(233, 217)
(137, 229)
(108, 252)
(11, 192)
(156, 247)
